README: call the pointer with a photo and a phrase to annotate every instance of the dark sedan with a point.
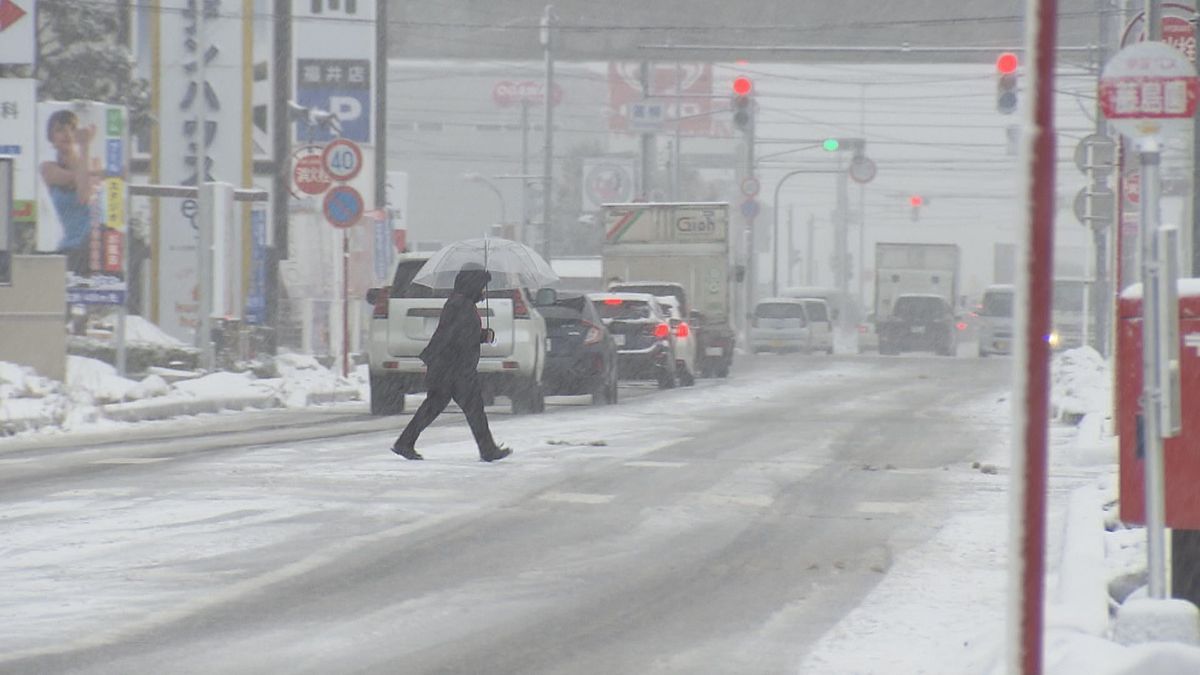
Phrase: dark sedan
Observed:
(581, 355)
(919, 323)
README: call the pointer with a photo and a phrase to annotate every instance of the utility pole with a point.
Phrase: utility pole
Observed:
(647, 139)
(281, 132)
(203, 200)
(547, 36)
(1100, 297)
(524, 171)
(676, 155)
(809, 258)
(841, 237)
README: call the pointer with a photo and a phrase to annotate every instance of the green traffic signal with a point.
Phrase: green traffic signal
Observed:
(830, 144)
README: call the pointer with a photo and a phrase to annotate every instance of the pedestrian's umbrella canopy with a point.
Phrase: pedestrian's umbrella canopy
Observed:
(512, 264)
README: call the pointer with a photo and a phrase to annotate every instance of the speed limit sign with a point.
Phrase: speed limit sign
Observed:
(342, 159)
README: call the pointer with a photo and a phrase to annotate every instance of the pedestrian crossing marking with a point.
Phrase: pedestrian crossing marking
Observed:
(882, 507)
(576, 497)
(756, 501)
(652, 464)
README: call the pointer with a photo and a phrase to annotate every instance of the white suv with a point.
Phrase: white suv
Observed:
(404, 317)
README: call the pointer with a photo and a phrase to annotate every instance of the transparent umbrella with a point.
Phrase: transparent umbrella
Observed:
(512, 264)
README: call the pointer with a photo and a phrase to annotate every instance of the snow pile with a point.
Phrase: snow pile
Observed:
(94, 391)
(1080, 383)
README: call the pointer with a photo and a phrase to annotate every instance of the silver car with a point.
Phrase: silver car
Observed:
(996, 320)
(780, 325)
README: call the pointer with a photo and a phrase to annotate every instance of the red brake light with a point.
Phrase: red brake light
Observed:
(682, 330)
(612, 301)
(962, 325)
(662, 330)
(520, 309)
(380, 309)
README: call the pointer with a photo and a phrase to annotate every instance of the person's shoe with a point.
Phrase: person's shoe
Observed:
(496, 453)
(407, 452)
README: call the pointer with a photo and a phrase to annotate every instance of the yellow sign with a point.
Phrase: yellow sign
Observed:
(114, 203)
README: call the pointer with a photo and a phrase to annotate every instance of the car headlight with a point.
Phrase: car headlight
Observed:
(1053, 338)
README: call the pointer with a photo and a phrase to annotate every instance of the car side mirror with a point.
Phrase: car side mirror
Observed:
(373, 295)
(545, 297)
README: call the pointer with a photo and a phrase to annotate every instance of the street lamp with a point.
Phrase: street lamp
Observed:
(480, 178)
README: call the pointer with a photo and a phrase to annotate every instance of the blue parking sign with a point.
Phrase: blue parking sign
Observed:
(338, 86)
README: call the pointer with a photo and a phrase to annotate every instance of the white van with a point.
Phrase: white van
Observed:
(820, 323)
(996, 320)
(780, 325)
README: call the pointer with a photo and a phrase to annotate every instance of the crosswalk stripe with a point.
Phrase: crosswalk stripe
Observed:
(576, 497)
(652, 464)
(882, 507)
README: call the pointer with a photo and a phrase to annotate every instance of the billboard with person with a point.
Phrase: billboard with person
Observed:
(82, 187)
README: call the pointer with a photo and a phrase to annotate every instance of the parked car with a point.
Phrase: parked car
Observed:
(686, 347)
(820, 324)
(780, 325)
(581, 356)
(919, 322)
(403, 318)
(846, 314)
(645, 342)
(995, 320)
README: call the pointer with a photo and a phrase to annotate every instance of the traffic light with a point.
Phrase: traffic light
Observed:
(916, 202)
(831, 144)
(1006, 83)
(743, 104)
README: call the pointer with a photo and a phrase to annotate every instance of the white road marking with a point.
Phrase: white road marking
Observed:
(576, 497)
(756, 501)
(882, 507)
(651, 464)
(131, 460)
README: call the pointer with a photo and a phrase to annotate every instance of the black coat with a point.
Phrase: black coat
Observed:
(453, 349)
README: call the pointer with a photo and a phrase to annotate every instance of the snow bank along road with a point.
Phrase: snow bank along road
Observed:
(722, 528)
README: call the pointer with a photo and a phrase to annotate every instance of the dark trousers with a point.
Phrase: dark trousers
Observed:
(466, 391)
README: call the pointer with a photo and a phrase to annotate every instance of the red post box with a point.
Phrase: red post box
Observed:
(1181, 454)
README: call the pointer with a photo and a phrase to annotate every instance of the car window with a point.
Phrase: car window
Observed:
(402, 280)
(919, 308)
(779, 310)
(624, 310)
(816, 311)
(652, 289)
(997, 303)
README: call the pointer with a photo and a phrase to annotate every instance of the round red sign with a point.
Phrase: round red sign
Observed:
(309, 175)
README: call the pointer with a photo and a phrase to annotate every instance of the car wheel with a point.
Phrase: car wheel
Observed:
(387, 394)
(666, 378)
(686, 378)
(527, 397)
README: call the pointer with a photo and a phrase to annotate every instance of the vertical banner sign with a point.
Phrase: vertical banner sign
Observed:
(396, 199)
(83, 166)
(6, 221)
(182, 97)
(256, 298)
(18, 132)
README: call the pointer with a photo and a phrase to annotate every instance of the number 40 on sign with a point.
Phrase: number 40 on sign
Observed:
(342, 159)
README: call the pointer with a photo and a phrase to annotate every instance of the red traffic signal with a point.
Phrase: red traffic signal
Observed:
(742, 85)
(1006, 63)
(915, 201)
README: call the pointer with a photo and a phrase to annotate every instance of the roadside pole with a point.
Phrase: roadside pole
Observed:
(547, 38)
(1027, 526)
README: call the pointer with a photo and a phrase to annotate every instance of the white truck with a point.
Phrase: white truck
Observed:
(677, 248)
(914, 269)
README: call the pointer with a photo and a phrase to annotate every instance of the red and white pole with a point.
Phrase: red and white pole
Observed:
(1031, 405)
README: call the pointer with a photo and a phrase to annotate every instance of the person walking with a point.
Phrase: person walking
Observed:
(451, 359)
